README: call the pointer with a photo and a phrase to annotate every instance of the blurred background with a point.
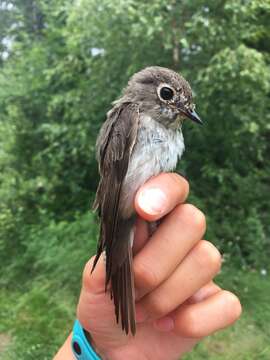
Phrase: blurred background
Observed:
(62, 63)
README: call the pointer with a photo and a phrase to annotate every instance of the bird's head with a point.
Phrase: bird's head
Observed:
(163, 95)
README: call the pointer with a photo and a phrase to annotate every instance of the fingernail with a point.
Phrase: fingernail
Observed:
(165, 324)
(152, 201)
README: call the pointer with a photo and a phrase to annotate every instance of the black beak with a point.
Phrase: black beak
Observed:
(192, 115)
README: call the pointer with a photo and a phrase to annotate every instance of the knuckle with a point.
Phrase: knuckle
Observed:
(191, 325)
(145, 276)
(179, 211)
(159, 306)
(208, 256)
(232, 305)
(179, 181)
(194, 217)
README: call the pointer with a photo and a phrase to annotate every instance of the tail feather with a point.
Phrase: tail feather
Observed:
(131, 292)
(123, 308)
(123, 295)
(100, 248)
(119, 271)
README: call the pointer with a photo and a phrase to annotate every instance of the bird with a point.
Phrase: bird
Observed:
(141, 137)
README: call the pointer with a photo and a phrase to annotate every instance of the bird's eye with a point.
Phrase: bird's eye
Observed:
(166, 93)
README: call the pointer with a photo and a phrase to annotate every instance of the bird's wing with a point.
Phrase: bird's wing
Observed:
(114, 147)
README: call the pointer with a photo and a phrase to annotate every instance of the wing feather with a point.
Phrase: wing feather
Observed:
(120, 131)
(114, 148)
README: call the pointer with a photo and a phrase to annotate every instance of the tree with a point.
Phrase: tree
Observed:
(68, 60)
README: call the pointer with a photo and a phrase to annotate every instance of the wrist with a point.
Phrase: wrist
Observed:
(65, 352)
(123, 353)
(82, 344)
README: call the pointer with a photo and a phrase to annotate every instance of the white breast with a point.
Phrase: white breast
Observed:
(157, 150)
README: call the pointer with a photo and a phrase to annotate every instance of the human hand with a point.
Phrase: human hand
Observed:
(177, 302)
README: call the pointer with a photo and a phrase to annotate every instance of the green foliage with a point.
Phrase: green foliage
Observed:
(36, 321)
(60, 79)
(70, 243)
(38, 305)
(54, 251)
(236, 151)
(62, 63)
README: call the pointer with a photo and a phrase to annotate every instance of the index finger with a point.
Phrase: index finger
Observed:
(160, 194)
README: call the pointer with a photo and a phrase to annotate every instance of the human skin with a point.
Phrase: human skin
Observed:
(177, 302)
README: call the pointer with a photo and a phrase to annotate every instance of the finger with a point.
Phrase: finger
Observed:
(204, 318)
(94, 281)
(205, 292)
(197, 269)
(159, 195)
(141, 235)
(166, 323)
(168, 246)
(95, 309)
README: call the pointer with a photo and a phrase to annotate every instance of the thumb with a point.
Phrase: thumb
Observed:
(95, 309)
(159, 195)
(93, 280)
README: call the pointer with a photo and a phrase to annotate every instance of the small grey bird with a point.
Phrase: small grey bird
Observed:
(141, 138)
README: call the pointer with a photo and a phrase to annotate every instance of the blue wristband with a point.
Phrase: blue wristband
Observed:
(81, 347)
